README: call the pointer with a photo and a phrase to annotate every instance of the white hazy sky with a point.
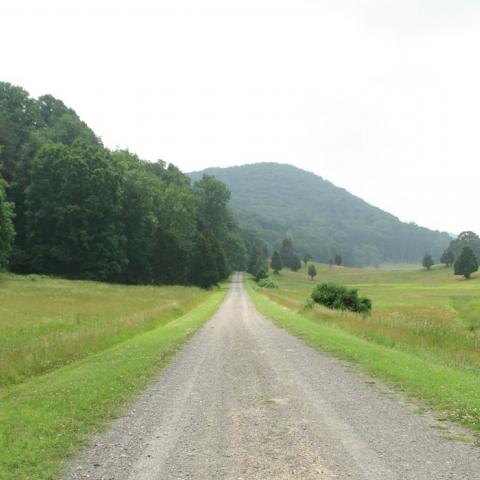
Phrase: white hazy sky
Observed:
(380, 97)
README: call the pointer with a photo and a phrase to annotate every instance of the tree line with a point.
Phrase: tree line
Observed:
(71, 207)
(463, 254)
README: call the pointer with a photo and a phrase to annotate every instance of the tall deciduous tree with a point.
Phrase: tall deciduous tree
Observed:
(312, 271)
(466, 263)
(74, 223)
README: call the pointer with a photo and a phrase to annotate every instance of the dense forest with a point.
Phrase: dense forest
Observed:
(323, 220)
(73, 208)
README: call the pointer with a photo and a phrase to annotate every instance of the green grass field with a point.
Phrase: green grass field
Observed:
(72, 354)
(422, 321)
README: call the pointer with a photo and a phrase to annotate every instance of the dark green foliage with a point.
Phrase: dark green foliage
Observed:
(257, 258)
(267, 283)
(465, 239)
(341, 298)
(282, 200)
(295, 264)
(83, 211)
(287, 252)
(312, 271)
(338, 260)
(276, 262)
(74, 224)
(466, 263)
(427, 261)
(7, 232)
(168, 266)
(447, 257)
(306, 258)
(209, 263)
(261, 274)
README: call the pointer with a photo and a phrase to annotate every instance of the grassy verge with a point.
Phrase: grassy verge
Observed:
(454, 392)
(47, 418)
(46, 323)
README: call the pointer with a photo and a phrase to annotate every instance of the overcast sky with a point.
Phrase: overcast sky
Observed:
(379, 97)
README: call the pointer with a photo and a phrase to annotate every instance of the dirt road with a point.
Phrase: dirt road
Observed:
(245, 400)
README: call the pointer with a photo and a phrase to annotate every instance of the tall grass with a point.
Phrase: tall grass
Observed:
(47, 323)
(429, 313)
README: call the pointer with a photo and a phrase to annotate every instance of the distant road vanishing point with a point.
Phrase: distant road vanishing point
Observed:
(245, 400)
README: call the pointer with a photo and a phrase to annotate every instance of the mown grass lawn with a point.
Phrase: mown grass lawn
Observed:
(47, 413)
(423, 333)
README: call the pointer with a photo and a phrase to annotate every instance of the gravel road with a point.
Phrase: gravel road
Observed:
(245, 400)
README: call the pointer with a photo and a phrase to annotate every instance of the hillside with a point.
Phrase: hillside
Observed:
(322, 219)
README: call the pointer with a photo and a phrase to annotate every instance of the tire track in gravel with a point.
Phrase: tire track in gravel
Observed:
(245, 400)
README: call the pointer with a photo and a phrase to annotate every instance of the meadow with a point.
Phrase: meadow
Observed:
(46, 323)
(74, 353)
(423, 333)
(428, 312)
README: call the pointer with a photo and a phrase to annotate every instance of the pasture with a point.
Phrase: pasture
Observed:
(430, 313)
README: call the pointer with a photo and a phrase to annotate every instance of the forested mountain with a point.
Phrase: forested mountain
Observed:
(71, 207)
(280, 200)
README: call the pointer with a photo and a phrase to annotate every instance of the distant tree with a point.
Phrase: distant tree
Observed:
(209, 265)
(261, 274)
(168, 267)
(338, 260)
(312, 271)
(427, 261)
(306, 258)
(295, 264)
(287, 253)
(7, 233)
(447, 257)
(258, 258)
(466, 263)
(468, 238)
(276, 262)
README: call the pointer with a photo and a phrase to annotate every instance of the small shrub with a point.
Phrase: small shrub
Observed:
(267, 283)
(261, 274)
(339, 297)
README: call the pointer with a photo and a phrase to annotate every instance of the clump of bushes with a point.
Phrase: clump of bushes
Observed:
(340, 298)
(261, 274)
(267, 283)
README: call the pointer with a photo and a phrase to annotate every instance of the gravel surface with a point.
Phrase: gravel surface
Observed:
(245, 400)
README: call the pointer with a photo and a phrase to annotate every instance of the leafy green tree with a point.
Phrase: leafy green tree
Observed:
(74, 223)
(288, 255)
(205, 271)
(276, 262)
(261, 274)
(427, 261)
(306, 258)
(212, 205)
(447, 257)
(312, 271)
(235, 251)
(295, 264)
(257, 258)
(466, 263)
(467, 238)
(7, 232)
(168, 259)
(338, 260)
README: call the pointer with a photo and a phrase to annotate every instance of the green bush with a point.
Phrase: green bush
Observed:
(267, 283)
(340, 298)
(261, 274)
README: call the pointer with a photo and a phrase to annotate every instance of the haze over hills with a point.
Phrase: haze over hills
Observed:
(281, 200)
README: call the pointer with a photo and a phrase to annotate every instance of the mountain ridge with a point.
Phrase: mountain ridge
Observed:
(279, 199)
